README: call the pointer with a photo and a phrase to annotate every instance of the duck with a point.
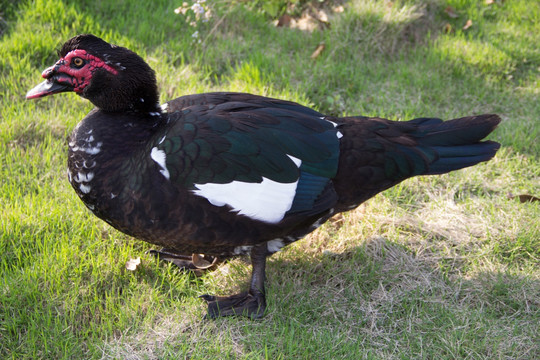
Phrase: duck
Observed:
(228, 174)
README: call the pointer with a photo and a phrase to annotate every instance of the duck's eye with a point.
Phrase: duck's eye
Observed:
(78, 62)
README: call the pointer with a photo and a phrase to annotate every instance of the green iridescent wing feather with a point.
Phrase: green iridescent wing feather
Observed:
(239, 141)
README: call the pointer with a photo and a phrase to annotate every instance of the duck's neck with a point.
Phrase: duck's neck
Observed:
(146, 105)
(127, 94)
(141, 105)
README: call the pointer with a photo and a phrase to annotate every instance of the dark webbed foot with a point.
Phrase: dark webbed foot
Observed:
(251, 303)
(194, 262)
(244, 304)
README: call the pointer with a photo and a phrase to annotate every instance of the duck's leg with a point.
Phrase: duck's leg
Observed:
(193, 262)
(251, 303)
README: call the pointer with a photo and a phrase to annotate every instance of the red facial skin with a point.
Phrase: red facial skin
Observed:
(78, 76)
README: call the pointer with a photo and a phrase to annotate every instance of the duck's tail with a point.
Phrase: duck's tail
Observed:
(456, 144)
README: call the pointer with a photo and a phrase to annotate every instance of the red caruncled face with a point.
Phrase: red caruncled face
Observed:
(76, 69)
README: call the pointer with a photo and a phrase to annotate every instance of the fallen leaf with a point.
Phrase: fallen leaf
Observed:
(339, 9)
(523, 198)
(195, 263)
(132, 264)
(284, 20)
(320, 48)
(451, 12)
(468, 24)
(201, 262)
(489, 2)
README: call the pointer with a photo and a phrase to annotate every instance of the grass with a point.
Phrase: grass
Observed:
(437, 267)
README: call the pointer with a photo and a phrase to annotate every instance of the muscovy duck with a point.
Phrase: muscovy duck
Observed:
(228, 174)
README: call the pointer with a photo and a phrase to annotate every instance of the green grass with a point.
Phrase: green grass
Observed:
(437, 267)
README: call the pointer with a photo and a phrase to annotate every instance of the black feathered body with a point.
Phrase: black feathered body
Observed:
(218, 138)
(111, 169)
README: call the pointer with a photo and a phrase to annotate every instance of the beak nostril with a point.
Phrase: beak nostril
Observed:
(48, 72)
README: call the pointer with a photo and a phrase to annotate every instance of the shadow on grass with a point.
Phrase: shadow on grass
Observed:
(380, 273)
(374, 297)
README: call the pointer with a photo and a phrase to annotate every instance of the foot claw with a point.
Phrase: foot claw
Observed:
(243, 304)
(208, 298)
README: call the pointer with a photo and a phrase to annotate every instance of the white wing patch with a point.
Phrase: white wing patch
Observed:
(159, 157)
(267, 201)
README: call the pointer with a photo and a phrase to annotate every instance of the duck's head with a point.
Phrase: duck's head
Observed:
(113, 78)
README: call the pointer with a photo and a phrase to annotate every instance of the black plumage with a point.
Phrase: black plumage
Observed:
(228, 173)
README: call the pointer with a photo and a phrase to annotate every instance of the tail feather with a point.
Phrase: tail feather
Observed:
(457, 142)
(462, 131)
(379, 153)
(458, 157)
